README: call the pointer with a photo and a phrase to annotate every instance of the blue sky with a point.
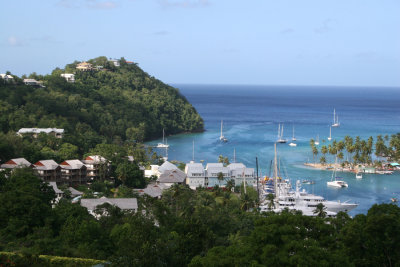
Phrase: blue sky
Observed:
(296, 42)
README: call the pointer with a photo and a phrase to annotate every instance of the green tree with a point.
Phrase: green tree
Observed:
(130, 175)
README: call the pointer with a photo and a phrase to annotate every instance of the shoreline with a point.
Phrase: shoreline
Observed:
(331, 167)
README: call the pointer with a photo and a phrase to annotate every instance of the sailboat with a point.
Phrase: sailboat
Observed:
(222, 137)
(335, 181)
(280, 135)
(293, 140)
(330, 134)
(164, 142)
(316, 142)
(335, 119)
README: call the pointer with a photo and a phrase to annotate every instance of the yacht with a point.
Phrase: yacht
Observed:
(337, 183)
(164, 143)
(335, 119)
(280, 135)
(222, 138)
(359, 175)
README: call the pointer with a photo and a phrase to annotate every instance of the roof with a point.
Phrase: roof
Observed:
(46, 165)
(30, 81)
(74, 192)
(55, 188)
(246, 171)
(194, 168)
(15, 163)
(94, 159)
(166, 166)
(122, 203)
(67, 75)
(216, 169)
(72, 164)
(40, 130)
(213, 165)
(152, 190)
(233, 166)
(6, 76)
(172, 176)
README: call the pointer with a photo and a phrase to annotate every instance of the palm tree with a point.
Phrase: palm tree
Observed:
(230, 184)
(320, 210)
(220, 177)
(271, 202)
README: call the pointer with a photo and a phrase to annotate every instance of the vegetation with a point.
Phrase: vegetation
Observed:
(186, 227)
(116, 105)
(355, 151)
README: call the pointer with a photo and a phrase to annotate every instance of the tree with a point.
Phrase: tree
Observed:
(68, 151)
(271, 201)
(220, 177)
(130, 175)
(224, 160)
(320, 210)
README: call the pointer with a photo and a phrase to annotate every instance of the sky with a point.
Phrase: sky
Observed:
(262, 42)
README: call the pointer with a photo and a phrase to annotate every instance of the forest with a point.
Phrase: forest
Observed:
(206, 227)
(110, 105)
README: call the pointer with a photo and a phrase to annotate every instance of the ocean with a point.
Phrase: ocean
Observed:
(251, 115)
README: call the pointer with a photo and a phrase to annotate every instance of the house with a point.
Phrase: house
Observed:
(33, 82)
(59, 193)
(69, 77)
(16, 163)
(97, 167)
(129, 62)
(36, 131)
(152, 172)
(240, 173)
(212, 172)
(126, 204)
(84, 66)
(74, 192)
(6, 77)
(152, 190)
(73, 172)
(48, 170)
(170, 177)
(196, 175)
(166, 166)
(115, 62)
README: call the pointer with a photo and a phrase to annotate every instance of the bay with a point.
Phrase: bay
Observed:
(251, 115)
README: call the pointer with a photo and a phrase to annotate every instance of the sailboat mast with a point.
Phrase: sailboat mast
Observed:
(234, 155)
(334, 116)
(221, 127)
(276, 173)
(163, 134)
(279, 131)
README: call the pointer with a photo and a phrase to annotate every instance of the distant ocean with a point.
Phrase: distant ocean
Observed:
(251, 115)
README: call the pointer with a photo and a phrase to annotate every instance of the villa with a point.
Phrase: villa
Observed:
(48, 170)
(69, 77)
(125, 204)
(58, 133)
(84, 66)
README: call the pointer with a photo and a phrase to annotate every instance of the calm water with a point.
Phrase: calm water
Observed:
(251, 115)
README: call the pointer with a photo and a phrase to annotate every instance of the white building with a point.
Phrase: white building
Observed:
(15, 163)
(69, 77)
(196, 175)
(170, 177)
(33, 82)
(7, 77)
(125, 204)
(115, 62)
(36, 131)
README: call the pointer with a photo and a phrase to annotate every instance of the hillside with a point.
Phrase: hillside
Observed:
(108, 105)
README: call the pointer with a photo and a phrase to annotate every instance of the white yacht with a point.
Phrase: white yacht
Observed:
(335, 119)
(337, 183)
(359, 175)
(222, 138)
(280, 135)
(164, 143)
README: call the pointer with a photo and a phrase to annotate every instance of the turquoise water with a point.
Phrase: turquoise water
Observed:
(251, 115)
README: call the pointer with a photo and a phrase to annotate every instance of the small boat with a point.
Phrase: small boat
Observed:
(330, 134)
(222, 138)
(337, 183)
(359, 175)
(280, 135)
(292, 144)
(308, 182)
(316, 142)
(164, 143)
(335, 119)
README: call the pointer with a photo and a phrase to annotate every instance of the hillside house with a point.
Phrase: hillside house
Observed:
(170, 177)
(33, 82)
(212, 171)
(125, 204)
(73, 172)
(48, 170)
(6, 77)
(69, 77)
(97, 167)
(84, 66)
(36, 131)
(15, 163)
(196, 175)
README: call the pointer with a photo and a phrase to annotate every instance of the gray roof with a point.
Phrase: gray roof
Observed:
(16, 163)
(166, 166)
(194, 168)
(152, 190)
(213, 170)
(213, 165)
(74, 192)
(234, 166)
(72, 164)
(46, 165)
(122, 203)
(172, 176)
(55, 188)
(40, 130)
(239, 172)
(94, 159)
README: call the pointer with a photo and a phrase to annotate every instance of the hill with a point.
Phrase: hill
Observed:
(109, 104)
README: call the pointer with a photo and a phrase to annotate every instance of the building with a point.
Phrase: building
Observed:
(48, 170)
(170, 177)
(69, 77)
(152, 172)
(196, 175)
(240, 173)
(84, 66)
(6, 77)
(125, 204)
(36, 131)
(166, 166)
(16, 163)
(152, 190)
(73, 172)
(115, 62)
(33, 82)
(97, 167)
(59, 193)
(212, 172)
